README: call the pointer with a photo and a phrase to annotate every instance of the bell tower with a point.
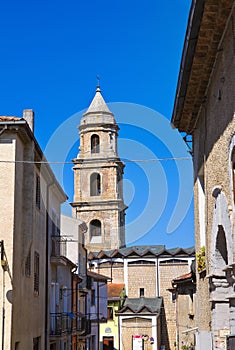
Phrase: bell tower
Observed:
(98, 174)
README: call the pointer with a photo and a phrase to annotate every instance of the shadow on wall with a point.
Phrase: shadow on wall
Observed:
(164, 330)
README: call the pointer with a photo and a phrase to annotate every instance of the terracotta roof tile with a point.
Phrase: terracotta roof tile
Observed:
(115, 289)
(186, 276)
(5, 118)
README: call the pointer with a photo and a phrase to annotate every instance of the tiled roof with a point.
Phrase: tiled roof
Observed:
(142, 251)
(8, 118)
(97, 276)
(140, 305)
(206, 25)
(115, 289)
(184, 277)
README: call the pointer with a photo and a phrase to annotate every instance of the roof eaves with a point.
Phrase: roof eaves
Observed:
(190, 42)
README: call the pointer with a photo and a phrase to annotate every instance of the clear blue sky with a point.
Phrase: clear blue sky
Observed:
(51, 52)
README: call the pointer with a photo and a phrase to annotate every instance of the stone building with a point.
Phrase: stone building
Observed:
(29, 219)
(183, 295)
(109, 332)
(146, 272)
(204, 110)
(98, 171)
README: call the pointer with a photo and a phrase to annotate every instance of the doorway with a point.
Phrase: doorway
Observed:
(108, 343)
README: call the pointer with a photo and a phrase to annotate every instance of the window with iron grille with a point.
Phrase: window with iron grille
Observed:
(36, 273)
(38, 192)
(28, 265)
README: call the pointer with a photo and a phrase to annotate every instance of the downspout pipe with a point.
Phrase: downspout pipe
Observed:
(47, 267)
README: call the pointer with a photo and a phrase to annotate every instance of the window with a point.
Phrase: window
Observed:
(110, 313)
(36, 343)
(28, 265)
(38, 192)
(95, 184)
(141, 292)
(95, 144)
(93, 297)
(36, 273)
(95, 228)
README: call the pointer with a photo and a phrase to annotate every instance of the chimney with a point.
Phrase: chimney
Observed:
(28, 115)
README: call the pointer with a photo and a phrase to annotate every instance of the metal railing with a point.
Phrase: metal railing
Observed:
(67, 323)
(58, 246)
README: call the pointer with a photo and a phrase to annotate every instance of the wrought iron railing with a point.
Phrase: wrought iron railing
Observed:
(58, 246)
(68, 322)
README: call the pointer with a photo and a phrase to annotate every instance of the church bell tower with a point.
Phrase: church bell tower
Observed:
(98, 174)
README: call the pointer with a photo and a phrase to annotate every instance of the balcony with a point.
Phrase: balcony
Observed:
(58, 249)
(84, 325)
(61, 323)
(67, 323)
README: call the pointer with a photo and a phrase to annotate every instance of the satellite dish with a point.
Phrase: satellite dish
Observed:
(9, 295)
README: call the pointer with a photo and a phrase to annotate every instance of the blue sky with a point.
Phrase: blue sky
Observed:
(51, 54)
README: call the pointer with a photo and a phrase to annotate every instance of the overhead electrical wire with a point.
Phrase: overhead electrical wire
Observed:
(71, 162)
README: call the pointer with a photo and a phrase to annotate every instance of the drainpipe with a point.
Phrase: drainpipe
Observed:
(47, 267)
(3, 295)
(98, 316)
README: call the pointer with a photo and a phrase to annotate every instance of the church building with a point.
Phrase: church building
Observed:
(98, 173)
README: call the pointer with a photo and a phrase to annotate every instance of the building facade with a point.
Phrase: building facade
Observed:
(205, 111)
(98, 171)
(109, 331)
(146, 272)
(31, 199)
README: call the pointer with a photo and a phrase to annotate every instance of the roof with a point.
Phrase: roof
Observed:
(114, 290)
(206, 25)
(142, 251)
(98, 104)
(97, 276)
(183, 278)
(22, 128)
(142, 305)
(9, 118)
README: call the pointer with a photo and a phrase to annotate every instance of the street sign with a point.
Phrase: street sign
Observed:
(137, 342)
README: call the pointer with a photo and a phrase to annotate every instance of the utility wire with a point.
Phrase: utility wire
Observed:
(70, 162)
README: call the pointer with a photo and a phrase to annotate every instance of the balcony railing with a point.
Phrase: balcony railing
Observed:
(67, 323)
(58, 246)
(61, 323)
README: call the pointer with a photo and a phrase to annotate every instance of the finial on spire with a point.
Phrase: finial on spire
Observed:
(98, 83)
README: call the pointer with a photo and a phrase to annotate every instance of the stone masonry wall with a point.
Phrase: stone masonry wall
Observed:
(167, 273)
(212, 139)
(134, 326)
(141, 276)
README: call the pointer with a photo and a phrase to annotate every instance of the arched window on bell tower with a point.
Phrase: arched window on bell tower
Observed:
(95, 228)
(95, 144)
(95, 188)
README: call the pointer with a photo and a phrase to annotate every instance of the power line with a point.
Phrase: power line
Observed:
(70, 162)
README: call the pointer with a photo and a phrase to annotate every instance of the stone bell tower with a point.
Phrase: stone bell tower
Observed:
(98, 173)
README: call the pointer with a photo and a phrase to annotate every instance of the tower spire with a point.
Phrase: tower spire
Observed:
(98, 83)
(98, 104)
